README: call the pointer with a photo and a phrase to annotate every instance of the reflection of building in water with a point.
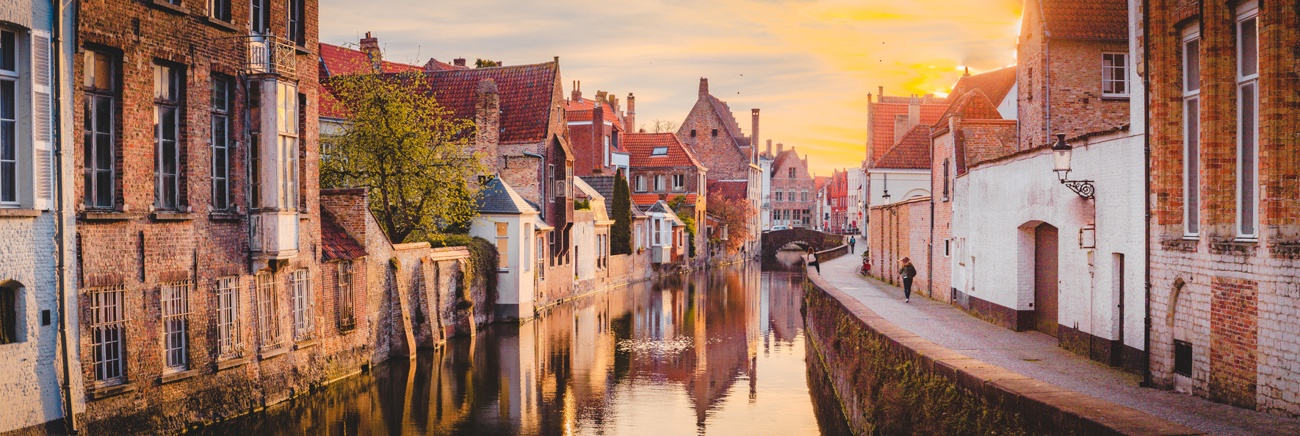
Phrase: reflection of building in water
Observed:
(784, 300)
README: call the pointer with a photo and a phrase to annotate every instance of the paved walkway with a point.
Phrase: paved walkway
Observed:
(1037, 355)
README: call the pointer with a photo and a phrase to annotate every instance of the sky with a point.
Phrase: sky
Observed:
(807, 64)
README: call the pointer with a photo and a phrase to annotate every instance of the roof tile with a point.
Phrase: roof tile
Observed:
(641, 148)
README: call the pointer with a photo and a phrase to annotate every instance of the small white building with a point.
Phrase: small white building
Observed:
(590, 231)
(512, 224)
(665, 233)
(903, 172)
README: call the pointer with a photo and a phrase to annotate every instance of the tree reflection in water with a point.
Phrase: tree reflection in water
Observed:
(683, 354)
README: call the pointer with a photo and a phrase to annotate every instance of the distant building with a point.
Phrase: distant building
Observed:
(712, 133)
(665, 170)
(596, 130)
(793, 190)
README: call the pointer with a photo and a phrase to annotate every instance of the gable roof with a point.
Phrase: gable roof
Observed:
(641, 148)
(1095, 19)
(971, 105)
(336, 243)
(786, 155)
(603, 185)
(819, 182)
(497, 196)
(995, 84)
(340, 61)
(912, 151)
(581, 110)
(882, 115)
(728, 120)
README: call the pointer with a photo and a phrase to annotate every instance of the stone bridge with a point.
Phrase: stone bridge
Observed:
(774, 241)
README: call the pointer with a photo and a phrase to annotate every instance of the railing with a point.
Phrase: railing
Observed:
(270, 55)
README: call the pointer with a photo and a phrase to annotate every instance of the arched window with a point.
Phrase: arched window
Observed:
(9, 312)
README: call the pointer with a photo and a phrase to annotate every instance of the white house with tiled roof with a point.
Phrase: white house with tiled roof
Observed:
(514, 225)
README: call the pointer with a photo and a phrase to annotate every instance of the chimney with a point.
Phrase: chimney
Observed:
(460, 62)
(881, 93)
(630, 120)
(769, 147)
(779, 148)
(868, 97)
(577, 91)
(914, 111)
(967, 73)
(598, 133)
(753, 135)
(487, 117)
(704, 87)
(902, 123)
(370, 46)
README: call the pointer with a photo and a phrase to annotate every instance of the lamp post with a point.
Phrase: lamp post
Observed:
(1061, 154)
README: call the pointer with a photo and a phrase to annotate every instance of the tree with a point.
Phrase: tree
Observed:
(481, 63)
(687, 218)
(620, 238)
(734, 214)
(662, 126)
(413, 156)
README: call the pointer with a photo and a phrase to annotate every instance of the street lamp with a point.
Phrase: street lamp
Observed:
(1061, 154)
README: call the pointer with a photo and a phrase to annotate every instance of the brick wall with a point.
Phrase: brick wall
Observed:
(901, 230)
(1233, 298)
(718, 153)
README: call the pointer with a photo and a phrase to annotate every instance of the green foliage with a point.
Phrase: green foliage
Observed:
(480, 63)
(413, 156)
(734, 214)
(582, 204)
(482, 258)
(621, 234)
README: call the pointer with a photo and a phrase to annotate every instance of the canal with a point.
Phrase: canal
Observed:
(710, 352)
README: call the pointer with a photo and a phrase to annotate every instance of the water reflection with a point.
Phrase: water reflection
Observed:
(717, 352)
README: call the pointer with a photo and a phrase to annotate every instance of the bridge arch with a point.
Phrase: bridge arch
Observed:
(777, 240)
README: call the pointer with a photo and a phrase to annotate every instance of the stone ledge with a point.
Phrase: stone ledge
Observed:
(177, 376)
(100, 392)
(19, 213)
(233, 362)
(278, 351)
(109, 215)
(164, 5)
(229, 27)
(305, 344)
(1039, 404)
(172, 216)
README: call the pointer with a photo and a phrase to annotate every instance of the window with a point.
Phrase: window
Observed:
(8, 118)
(296, 28)
(229, 340)
(659, 232)
(176, 324)
(1182, 358)
(947, 247)
(219, 9)
(100, 126)
(168, 90)
(679, 182)
(780, 196)
(346, 297)
(640, 183)
(803, 195)
(692, 133)
(268, 320)
(260, 16)
(791, 171)
(1191, 134)
(715, 133)
(287, 129)
(659, 151)
(525, 250)
(304, 308)
(541, 256)
(1247, 120)
(659, 182)
(9, 313)
(1114, 74)
(108, 333)
(503, 246)
(221, 92)
(945, 180)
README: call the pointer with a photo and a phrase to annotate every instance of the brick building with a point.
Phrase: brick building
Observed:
(664, 169)
(598, 150)
(712, 133)
(837, 190)
(889, 121)
(1073, 59)
(522, 135)
(793, 190)
(1225, 226)
(201, 286)
(41, 382)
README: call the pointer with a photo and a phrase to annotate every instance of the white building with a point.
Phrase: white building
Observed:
(765, 206)
(512, 224)
(590, 232)
(41, 376)
(664, 233)
(857, 199)
(903, 172)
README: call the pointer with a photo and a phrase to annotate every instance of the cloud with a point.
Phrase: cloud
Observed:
(808, 64)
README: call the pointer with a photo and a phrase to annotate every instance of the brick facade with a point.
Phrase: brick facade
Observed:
(1232, 298)
(797, 195)
(901, 230)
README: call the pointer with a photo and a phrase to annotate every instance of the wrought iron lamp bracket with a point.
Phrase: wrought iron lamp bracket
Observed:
(1084, 188)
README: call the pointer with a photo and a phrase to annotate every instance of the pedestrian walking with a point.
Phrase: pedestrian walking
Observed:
(908, 272)
(852, 241)
(812, 260)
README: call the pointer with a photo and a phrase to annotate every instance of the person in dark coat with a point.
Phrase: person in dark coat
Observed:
(812, 260)
(907, 271)
(852, 241)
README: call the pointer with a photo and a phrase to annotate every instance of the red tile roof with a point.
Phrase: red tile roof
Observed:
(642, 199)
(641, 147)
(336, 61)
(911, 152)
(819, 182)
(1096, 19)
(527, 93)
(336, 243)
(733, 189)
(882, 120)
(581, 110)
(973, 105)
(995, 84)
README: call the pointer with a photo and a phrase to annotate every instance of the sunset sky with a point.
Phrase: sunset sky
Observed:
(808, 64)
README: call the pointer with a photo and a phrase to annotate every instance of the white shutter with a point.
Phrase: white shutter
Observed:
(42, 122)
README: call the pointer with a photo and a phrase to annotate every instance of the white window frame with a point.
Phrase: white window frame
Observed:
(229, 326)
(1106, 74)
(541, 256)
(304, 306)
(108, 334)
(346, 297)
(174, 300)
(259, 13)
(11, 183)
(659, 183)
(213, 6)
(286, 109)
(679, 182)
(221, 144)
(295, 23)
(1246, 12)
(1191, 145)
(503, 245)
(268, 317)
(640, 183)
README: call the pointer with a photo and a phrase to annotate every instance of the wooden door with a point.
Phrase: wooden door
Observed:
(1045, 278)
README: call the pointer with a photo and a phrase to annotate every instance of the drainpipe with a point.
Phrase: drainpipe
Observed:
(60, 215)
(1146, 150)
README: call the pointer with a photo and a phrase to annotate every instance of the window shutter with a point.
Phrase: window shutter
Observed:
(42, 119)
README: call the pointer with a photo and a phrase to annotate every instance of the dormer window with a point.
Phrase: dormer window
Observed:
(659, 151)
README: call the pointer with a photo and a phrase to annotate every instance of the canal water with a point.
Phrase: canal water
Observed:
(711, 352)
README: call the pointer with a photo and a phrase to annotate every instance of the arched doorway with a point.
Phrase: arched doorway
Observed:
(1045, 278)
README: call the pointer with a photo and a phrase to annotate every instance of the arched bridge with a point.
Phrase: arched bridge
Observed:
(775, 240)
